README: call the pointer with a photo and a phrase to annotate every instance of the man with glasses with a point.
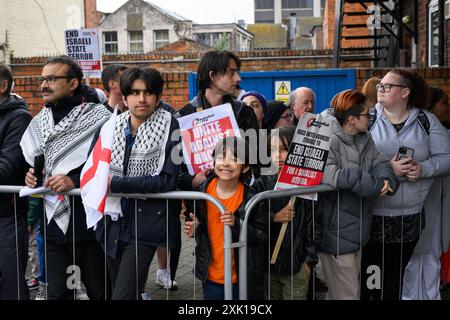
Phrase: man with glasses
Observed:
(58, 140)
(301, 100)
(14, 119)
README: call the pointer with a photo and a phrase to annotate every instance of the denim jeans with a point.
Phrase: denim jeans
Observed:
(216, 291)
(40, 242)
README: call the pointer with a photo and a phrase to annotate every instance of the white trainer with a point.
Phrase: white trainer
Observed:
(163, 279)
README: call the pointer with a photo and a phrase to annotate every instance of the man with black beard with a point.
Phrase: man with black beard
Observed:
(58, 140)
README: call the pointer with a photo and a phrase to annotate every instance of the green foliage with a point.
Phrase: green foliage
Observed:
(222, 43)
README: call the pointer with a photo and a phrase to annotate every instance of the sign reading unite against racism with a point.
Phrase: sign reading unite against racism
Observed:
(201, 131)
(82, 46)
(307, 154)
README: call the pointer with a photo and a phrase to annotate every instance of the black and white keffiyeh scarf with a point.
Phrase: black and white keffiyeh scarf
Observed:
(147, 155)
(65, 147)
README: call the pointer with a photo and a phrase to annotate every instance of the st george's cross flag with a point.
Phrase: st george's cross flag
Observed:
(95, 173)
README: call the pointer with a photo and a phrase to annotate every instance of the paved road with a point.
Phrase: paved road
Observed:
(189, 288)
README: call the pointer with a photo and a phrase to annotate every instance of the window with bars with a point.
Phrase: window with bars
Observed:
(264, 4)
(110, 43)
(264, 11)
(302, 8)
(136, 41)
(297, 4)
(433, 34)
(160, 38)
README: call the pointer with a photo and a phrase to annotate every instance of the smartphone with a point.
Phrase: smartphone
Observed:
(38, 167)
(405, 152)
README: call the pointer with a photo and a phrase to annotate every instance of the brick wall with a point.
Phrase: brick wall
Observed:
(447, 42)
(176, 90)
(422, 26)
(423, 36)
(328, 25)
(175, 72)
(92, 17)
(175, 68)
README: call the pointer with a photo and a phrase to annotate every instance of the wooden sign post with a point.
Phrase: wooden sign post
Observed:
(305, 162)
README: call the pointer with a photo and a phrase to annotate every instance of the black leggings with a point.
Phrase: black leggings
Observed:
(392, 267)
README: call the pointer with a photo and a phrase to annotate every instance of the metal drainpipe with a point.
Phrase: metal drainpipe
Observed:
(292, 29)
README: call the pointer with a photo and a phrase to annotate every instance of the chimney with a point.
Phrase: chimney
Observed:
(92, 17)
(241, 23)
(292, 29)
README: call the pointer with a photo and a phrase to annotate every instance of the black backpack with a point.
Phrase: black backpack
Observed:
(421, 117)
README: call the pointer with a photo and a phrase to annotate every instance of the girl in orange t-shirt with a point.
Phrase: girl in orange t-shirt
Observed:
(231, 169)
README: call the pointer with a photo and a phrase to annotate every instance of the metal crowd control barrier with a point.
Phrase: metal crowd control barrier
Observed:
(174, 195)
(242, 244)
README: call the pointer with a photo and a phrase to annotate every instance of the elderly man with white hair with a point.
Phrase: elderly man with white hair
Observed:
(301, 100)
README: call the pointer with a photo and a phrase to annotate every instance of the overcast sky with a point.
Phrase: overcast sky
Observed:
(200, 11)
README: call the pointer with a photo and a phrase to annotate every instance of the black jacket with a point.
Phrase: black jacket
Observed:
(174, 222)
(84, 94)
(14, 120)
(245, 117)
(301, 229)
(256, 239)
(152, 214)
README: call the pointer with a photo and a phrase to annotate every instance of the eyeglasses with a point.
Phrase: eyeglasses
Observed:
(51, 79)
(386, 87)
(287, 116)
(369, 116)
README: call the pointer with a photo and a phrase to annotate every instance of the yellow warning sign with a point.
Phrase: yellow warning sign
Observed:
(283, 90)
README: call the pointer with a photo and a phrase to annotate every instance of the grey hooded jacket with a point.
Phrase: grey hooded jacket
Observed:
(358, 170)
(431, 150)
(436, 235)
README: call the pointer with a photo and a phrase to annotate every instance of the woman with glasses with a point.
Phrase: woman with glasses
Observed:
(402, 125)
(278, 115)
(362, 175)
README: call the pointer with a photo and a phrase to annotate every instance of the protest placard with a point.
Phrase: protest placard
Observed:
(307, 153)
(82, 45)
(305, 162)
(201, 131)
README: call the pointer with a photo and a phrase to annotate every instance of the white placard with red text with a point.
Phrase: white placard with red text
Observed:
(201, 131)
(307, 155)
(82, 45)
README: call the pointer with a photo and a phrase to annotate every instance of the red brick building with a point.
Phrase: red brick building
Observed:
(407, 33)
(92, 17)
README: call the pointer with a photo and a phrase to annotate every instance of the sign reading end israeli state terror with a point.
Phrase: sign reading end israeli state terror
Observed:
(201, 131)
(82, 45)
(308, 153)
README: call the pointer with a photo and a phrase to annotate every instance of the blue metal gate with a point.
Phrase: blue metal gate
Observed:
(325, 83)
